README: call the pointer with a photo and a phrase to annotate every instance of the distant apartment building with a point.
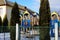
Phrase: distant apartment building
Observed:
(6, 7)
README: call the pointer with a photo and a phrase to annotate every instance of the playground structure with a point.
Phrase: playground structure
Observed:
(26, 23)
(28, 20)
(54, 25)
(33, 17)
(55, 14)
(26, 28)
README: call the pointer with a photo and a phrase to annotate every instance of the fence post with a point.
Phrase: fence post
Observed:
(17, 34)
(56, 31)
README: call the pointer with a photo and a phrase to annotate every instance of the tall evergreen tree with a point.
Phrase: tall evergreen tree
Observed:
(14, 19)
(5, 24)
(0, 24)
(0, 21)
(15, 15)
(45, 21)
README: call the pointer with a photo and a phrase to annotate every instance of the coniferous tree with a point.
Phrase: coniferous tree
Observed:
(15, 15)
(0, 24)
(14, 19)
(5, 24)
(45, 21)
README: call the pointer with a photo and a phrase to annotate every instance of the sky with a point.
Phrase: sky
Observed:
(54, 5)
(35, 4)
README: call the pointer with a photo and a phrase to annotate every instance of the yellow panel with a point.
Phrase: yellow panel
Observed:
(54, 13)
(26, 12)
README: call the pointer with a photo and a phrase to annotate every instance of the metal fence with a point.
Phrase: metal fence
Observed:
(31, 33)
(4, 33)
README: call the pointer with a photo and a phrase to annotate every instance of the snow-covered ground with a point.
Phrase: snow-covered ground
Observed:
(7, 37)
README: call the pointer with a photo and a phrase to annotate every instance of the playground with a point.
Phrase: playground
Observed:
(29, 30)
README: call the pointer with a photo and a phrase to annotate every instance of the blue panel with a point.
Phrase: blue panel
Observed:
(28, 23)
(52, 22)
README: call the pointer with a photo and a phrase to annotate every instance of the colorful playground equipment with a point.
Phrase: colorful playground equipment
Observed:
(54, 25)
(26, 22)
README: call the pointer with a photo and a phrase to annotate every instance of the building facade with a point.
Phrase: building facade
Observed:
(6, 7)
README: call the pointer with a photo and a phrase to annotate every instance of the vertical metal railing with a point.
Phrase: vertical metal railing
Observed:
(35, 31)
(4, 34)
(32, 31)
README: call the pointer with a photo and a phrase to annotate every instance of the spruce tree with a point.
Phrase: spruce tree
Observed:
(0, 24)
(5, 24)
(14, 19)
(44, 22)
(15, 15)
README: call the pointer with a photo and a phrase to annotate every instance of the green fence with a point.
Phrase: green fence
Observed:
(4, 29)
(31, 31)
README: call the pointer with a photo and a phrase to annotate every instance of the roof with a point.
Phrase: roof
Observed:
(9, 3)
(31, 12)
(2, 2)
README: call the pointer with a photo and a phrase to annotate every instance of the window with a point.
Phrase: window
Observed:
(1, 10)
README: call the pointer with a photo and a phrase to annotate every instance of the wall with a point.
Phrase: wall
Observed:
(8, 11)
(3, 11)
